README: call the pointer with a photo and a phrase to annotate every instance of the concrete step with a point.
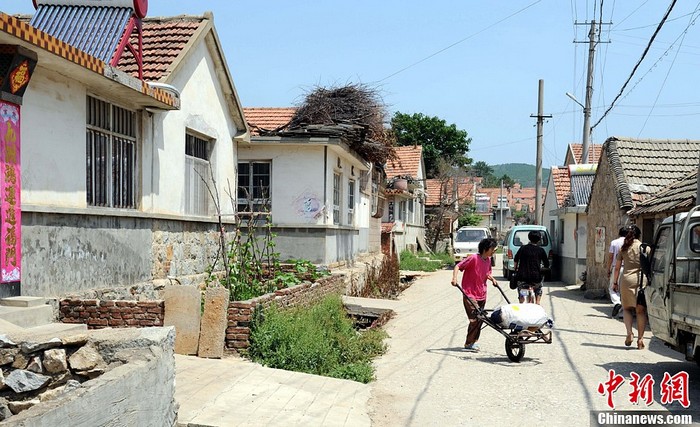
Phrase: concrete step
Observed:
(38, 333)
(23, 301)
(27, 317)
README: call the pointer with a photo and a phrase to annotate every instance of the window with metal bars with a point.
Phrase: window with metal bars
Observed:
(111, 155)
(336, 198)
(254, 191)
(197, 175)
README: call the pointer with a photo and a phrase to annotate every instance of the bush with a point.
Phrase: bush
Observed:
(417, 263)
(318, 340)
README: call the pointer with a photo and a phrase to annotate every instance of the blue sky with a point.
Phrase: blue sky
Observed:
(472, 63)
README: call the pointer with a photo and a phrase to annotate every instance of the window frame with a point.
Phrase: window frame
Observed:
(198, 170)
(111, 182)
(351, 201)
(337, 196)
(250, 201)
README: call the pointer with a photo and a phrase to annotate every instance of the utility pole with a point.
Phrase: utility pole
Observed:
(500, 212)
(589, 95)
(538, 163)
(592, 42)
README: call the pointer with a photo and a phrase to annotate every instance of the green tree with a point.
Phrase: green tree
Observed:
(438, 139)
(482, 169)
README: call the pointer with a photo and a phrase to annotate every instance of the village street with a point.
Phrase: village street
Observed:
(427, 379)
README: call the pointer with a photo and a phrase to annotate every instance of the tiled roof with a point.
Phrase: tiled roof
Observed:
(562, 184)
(407, 162)
(267, 118)
(678, 196)
(164, 40)
(641, 168)
(464, 191)
(576, 150)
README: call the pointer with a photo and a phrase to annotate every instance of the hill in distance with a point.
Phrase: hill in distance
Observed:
(521, 172)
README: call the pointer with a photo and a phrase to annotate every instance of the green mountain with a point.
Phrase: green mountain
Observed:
(521, 172)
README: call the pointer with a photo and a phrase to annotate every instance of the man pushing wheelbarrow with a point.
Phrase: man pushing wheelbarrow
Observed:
(476, 271)
(519, 323)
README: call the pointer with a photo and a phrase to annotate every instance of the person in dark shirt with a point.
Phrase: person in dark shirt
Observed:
(528, 261)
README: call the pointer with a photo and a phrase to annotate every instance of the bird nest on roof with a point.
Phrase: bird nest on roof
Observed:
(355, 112)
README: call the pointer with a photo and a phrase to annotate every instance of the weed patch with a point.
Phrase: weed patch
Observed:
(424, 261)
(318, 340)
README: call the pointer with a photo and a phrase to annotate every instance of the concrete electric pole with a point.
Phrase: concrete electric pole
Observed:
(589, 95)
(538, 166)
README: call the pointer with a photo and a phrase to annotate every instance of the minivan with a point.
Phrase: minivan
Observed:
(517, 237)
(466, 241)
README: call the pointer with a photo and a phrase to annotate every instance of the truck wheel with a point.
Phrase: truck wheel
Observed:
(514, 350)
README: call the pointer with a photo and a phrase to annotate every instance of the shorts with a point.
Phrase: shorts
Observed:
(524, 288)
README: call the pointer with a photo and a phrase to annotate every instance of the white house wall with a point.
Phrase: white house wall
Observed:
(53, 141)
(68, 246)
(297, 173)
(204, 111)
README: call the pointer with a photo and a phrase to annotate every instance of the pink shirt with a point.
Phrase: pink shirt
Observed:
(476, 270)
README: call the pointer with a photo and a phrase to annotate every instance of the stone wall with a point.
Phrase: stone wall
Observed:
(97, 314)
(114, 377)
(66, 253)
(603, 211)
(240, 313)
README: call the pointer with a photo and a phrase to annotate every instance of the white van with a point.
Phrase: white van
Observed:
(466, 241)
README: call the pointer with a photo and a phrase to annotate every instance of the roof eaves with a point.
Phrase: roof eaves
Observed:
(624, 196)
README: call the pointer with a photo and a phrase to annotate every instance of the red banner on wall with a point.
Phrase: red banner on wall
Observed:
(10, 207)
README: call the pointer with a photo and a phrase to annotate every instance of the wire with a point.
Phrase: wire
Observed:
(651, 25)
(631, 13)
(458, 42)
(646, 50)
(663, 84)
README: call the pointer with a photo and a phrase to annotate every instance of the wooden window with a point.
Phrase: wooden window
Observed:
(111, 155)
(351, 201)
(254, 190)
(336, 198)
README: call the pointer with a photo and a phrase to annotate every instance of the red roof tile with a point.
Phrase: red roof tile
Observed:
(164, 39)
(407, 162)
(464, 190)
(267, 118)
(562, 184)
(594, 151)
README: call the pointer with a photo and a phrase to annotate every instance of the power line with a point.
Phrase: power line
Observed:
(458, 42)
(646, 50)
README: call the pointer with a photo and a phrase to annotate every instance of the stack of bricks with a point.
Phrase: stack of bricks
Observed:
(240, 313)
(97, 314)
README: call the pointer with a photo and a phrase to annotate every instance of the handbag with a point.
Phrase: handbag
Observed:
(513, 280)
(641, 300)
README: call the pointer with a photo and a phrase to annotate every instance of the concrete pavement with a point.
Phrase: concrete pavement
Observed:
(426, 378)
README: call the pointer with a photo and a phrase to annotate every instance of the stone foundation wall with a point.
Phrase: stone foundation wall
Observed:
(240, 313)
(97, 314)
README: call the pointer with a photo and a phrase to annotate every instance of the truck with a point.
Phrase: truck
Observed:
(673, 291)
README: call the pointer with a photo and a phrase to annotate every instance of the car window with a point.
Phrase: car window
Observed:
(520, 238)
(470, 236)
(660, 248)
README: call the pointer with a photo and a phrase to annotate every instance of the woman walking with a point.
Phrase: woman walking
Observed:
(476, 270)
(630, 284)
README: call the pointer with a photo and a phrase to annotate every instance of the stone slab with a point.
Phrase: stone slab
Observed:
(183, 311)
(23, 301)
(212, 332)
(27, 317)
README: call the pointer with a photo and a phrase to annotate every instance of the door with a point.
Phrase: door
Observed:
(658, 301)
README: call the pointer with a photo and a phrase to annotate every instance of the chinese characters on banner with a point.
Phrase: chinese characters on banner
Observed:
(10, 209)
(673, 388)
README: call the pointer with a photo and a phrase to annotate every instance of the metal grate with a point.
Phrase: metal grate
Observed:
(254, 191)
(111, 155)
(336, 198)
(351, 201)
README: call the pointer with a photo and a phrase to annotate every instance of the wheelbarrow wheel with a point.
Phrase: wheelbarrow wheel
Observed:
(514, 350)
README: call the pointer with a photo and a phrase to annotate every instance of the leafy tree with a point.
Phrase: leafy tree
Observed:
(439, 140)
(482, 169)
(492, 181)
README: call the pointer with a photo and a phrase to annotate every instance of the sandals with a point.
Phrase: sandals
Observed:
(628, 341)
(640, 344)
